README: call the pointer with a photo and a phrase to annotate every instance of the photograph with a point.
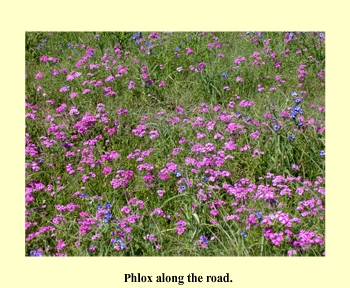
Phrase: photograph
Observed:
(175, 143)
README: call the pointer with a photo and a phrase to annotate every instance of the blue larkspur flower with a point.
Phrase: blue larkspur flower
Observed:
(36, 253)
(204, 239)
(108, 216)
(177, 173)
(244, 234)
(120, 242)
(297, 110)
(136, 37)
(258, 214)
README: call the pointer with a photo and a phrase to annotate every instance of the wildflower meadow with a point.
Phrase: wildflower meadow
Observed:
(175, 144)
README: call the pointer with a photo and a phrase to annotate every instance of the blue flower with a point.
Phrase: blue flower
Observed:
(183, 187)
(244, 234)
(276, 127)
(291, 137)
(121, 243)
(298, 100)
(36, 253)
(297, 110)
(190, 37)
(300, 124)
(238, 114)
(177, 48)
(321, 35)
(108, 205)
(39, 46)
(44, 40)
(68, 45)
(224, 75)
(204, 239)
(205, 179)
(291, 34)
(258, 214)
(177, 173)
(99, 206)
(322, 153)
(294, 94)
(136, 37)
(108, 216)
(247, 118)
